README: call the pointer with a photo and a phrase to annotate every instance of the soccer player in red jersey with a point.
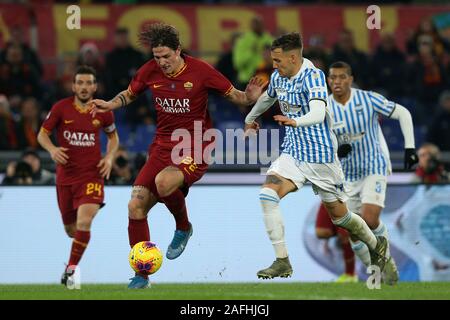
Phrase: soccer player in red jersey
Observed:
(80, 168)
(179, 84)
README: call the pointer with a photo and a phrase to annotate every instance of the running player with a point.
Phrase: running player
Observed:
(363, 152)
(309, 152)
(179, 84)
(325, 229)
(80, 168)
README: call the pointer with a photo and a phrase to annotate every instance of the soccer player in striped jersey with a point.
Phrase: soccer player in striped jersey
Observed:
(309, 152)
(364, 158)
(325, 229)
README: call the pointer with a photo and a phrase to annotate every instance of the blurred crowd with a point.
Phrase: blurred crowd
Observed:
(417, 77)
(28, 169)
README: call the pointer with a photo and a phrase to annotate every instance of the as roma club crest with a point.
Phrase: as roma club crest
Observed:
(188, 85)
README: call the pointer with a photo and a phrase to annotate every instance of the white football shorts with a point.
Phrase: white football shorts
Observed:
(370, 189)
(327, 178)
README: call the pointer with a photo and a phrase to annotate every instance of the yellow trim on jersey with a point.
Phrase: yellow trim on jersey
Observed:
(45, 131)
(80, 109)
(130, 91)
(228, 91)
(179, 71)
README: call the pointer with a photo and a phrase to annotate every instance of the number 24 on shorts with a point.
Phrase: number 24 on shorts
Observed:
(94, 187)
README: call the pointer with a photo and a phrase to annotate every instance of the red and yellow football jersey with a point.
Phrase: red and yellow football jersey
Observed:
(79, 132)
(182, 98)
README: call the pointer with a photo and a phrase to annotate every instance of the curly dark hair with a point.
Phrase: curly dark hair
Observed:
(160, 35)
(289, 41)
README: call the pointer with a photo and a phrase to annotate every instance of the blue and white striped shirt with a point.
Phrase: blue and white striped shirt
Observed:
(314, 144)
(356, 123)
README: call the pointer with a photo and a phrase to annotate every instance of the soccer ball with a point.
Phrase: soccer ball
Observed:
(145, 258)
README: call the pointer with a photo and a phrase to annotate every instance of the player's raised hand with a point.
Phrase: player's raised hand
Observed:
(99, 105)
(59, 155)
(105, 166)
(255, 88)
(285, 121)
(250, 129)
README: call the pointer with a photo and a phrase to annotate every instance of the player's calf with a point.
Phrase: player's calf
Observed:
(168, 180)
(136, 209)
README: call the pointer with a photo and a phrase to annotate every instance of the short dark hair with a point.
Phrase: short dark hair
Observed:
(342, 65)
(84, 69)
(160, 35)
(289, 41)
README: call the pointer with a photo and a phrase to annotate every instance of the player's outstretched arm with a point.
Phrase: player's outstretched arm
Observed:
(122, 99)
(58, 154)
(106, 163)
(263, 103)
(285, 121)
(315, 115)
(252, 92)
(402, 114)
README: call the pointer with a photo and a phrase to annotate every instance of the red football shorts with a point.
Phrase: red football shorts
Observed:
(70, 197)
(160, 158)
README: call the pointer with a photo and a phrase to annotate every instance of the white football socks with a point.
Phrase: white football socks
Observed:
(362, 251)
(273, 220)
(381, 230)
(358, 228)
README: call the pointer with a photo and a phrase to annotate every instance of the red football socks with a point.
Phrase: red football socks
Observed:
(349, 255)
(79, 244)
(138, 231)
(177, 206)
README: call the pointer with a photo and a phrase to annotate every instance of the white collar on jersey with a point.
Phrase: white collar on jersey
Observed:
(306, 64)
(352, 94)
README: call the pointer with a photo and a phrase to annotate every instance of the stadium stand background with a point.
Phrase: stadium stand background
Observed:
(408, 61)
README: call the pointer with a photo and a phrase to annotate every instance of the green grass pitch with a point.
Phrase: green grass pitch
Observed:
(231, 291)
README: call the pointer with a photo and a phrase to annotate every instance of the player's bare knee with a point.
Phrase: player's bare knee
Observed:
(163, 185)
(323, 233)
(331, 207)
(136, 209)
(336, 209)
(274, 187)
(84, 225)
(273, 182)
